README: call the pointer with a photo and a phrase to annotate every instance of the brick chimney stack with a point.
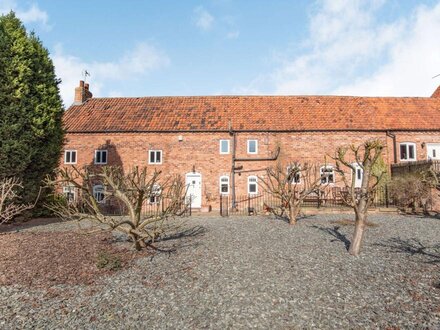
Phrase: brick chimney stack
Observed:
(82, 93)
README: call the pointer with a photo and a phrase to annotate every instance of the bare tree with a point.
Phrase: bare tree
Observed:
(291, 185)
(129, 193)
(10, 205)
(363, 157)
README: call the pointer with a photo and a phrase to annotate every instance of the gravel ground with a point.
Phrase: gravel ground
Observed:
(256, 272)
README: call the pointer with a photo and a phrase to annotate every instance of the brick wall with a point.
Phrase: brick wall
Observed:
(200, 151)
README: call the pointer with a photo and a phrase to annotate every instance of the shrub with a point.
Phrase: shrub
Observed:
(410, 191)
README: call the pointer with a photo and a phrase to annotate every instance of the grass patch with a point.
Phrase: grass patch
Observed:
(106, 260)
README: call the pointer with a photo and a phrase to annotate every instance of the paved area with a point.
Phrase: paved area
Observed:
(256, 272)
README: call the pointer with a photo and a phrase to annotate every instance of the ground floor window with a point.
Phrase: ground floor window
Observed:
(296, 177)
(252, 185)
(155, 194)
(69, 193)
(408, 151)
(98, 193)
(327, 174)
(224, 185)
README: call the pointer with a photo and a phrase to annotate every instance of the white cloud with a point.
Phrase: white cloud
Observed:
(203, 19)
(33, 14)
(134, 64)
(350, 51)
(233, 35)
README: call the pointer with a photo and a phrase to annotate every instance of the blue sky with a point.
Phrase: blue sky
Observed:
(142, 48)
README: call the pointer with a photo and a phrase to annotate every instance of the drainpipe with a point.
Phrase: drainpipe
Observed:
(393, 136)
(234, 144)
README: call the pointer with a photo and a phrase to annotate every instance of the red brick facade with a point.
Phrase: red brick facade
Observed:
(188, 131)
(200, 152)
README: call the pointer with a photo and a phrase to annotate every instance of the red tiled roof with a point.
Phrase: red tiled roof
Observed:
(253, 113)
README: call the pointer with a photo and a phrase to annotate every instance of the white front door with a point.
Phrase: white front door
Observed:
(358, 175)
(194, 189)
(433, 150)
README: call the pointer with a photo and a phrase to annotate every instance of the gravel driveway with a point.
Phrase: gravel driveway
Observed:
(257, 272)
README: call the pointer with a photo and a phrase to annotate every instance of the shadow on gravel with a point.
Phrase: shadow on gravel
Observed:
(413, 247)
(300, 217)
(179, 240)
(336, 234)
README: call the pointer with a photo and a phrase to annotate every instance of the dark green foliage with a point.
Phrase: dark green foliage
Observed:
(31, 134)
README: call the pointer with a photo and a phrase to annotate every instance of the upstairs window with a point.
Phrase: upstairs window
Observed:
(224, 185)
(100, 157)
(252, 185)
(252, 147)
(70, 157)
(407, 151)
(327, 174)
(155, 157)
(98, 193)
(224, 147)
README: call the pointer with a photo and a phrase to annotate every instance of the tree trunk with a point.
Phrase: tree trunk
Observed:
(355, 246)
(293, 214)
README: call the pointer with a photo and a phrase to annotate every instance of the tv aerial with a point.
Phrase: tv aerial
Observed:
(85, 74)
(436, 76)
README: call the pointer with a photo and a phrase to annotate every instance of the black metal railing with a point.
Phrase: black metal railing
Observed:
(332, 197)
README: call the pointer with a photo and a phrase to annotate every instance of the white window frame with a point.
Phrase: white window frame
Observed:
(407, 144)
(155, 162)
(69, 190)
(220, 147)
(253, 182)
(222, 183)
(65, 156)
(155, 194)
(325, 179)
(256, 147)
(297, 178)
(101, 190)
(106, 156)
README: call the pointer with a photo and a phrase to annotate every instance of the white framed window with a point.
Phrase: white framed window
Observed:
(155, 194)
(433, 150)
(155, 157)
(327, 174)
(70, 157)
(70, 193)
(224, 147)
(101, 157)
(252, 146)
(252, 185)
(224, 185)
(296, 179)
(98, 193)
(407, 151)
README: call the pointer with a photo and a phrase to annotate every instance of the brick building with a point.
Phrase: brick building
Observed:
(204, 137)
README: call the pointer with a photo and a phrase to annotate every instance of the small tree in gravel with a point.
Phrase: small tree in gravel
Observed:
(290, 186)
(365, 157)
(129, 193)
(10, 205)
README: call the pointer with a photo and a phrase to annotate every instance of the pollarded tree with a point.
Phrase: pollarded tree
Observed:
(290, 186)
(31, 109)
(363, 157)
(129, 193)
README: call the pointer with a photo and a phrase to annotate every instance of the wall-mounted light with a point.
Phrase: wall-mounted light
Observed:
(423, 145)
(180, 138)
